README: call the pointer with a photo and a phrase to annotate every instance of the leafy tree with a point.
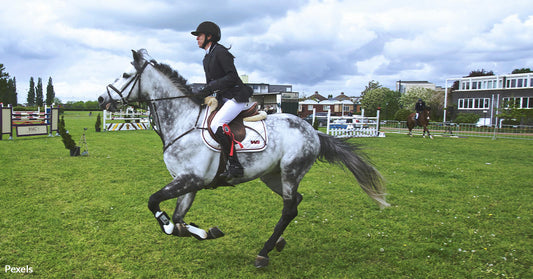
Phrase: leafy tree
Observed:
(402, 114)
(480, 73)
(380, 98)
(50, 94)
(31, 93)
(513, 114)
(433, 99)
(39, 101)
(371, 86)
(467, 118)
(8, 88)
(2, 73)
(522, 71)
(11, 92)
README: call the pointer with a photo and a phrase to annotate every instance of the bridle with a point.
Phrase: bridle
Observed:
(136, 80)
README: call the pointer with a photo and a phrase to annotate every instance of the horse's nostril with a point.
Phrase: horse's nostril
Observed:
(100, 99)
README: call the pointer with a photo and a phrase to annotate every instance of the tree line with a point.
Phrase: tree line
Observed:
(36, 96)
(8, 88)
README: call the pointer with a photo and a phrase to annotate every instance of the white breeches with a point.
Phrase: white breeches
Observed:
(227, 112)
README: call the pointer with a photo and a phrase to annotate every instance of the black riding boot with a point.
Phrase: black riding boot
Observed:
(235, 169)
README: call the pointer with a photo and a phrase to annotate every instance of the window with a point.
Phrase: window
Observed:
(518, 102)
(474, 103)
(309, 107)
(325, 108)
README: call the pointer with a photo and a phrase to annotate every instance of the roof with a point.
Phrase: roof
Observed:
(317, 96)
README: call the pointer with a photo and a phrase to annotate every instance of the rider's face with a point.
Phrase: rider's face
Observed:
(200, 39)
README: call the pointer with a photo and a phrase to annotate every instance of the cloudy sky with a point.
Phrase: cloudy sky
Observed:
(330, 46)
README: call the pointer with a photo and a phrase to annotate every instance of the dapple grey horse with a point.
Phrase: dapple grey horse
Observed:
(293, 147)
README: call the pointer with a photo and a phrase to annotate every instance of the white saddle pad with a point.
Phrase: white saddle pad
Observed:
(254, 141)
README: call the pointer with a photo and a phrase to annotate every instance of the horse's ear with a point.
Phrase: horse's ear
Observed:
(136, 55)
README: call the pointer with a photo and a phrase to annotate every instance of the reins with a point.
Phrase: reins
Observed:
(185, 133)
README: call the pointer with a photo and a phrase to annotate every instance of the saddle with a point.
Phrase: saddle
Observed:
(250, 131)
(253, 141)
(237, 124)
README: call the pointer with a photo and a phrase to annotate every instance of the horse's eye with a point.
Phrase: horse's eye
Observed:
(126, 75)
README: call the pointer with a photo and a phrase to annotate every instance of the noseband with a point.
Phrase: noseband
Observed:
(135, 80)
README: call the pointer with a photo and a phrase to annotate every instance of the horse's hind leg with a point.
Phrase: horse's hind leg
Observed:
(291, 199)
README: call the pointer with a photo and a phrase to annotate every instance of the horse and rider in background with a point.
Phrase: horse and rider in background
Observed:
(420, 118)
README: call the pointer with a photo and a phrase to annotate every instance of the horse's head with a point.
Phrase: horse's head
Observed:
(426, 113)
(126, 88)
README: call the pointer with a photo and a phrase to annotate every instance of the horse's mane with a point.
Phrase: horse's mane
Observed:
(175, 77)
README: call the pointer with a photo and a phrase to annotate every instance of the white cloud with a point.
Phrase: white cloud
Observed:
(328, 45)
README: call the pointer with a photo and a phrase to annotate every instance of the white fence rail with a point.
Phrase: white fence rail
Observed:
(462, 130)
(126, 120)
(352, 126)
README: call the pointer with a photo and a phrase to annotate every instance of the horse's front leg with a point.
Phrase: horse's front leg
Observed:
(429, 135)
(179, 187)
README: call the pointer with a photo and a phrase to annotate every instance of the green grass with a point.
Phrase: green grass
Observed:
(461, 208)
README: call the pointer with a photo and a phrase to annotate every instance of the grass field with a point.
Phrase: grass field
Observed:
(461, 208)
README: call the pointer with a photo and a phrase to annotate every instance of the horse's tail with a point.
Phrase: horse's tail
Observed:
(340, 151)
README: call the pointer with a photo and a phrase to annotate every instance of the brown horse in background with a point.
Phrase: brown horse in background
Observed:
(423, 121)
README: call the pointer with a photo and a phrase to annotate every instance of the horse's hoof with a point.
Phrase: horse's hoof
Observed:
(214, 232)
(261, 261)
(280, 244)
(181, 230)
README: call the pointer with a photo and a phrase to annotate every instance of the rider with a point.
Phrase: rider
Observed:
(222, 78)
(420, 106)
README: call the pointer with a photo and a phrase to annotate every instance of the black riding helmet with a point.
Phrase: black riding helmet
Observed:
(208, 28)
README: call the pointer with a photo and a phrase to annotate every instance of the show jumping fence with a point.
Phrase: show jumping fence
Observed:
(462, 130)
(126, 120)
(28, 123)
(353, 126)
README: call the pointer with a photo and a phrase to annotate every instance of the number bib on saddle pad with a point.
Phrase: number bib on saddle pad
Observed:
(255, 139)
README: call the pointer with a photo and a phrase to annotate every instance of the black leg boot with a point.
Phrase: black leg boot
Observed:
(235, 169)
